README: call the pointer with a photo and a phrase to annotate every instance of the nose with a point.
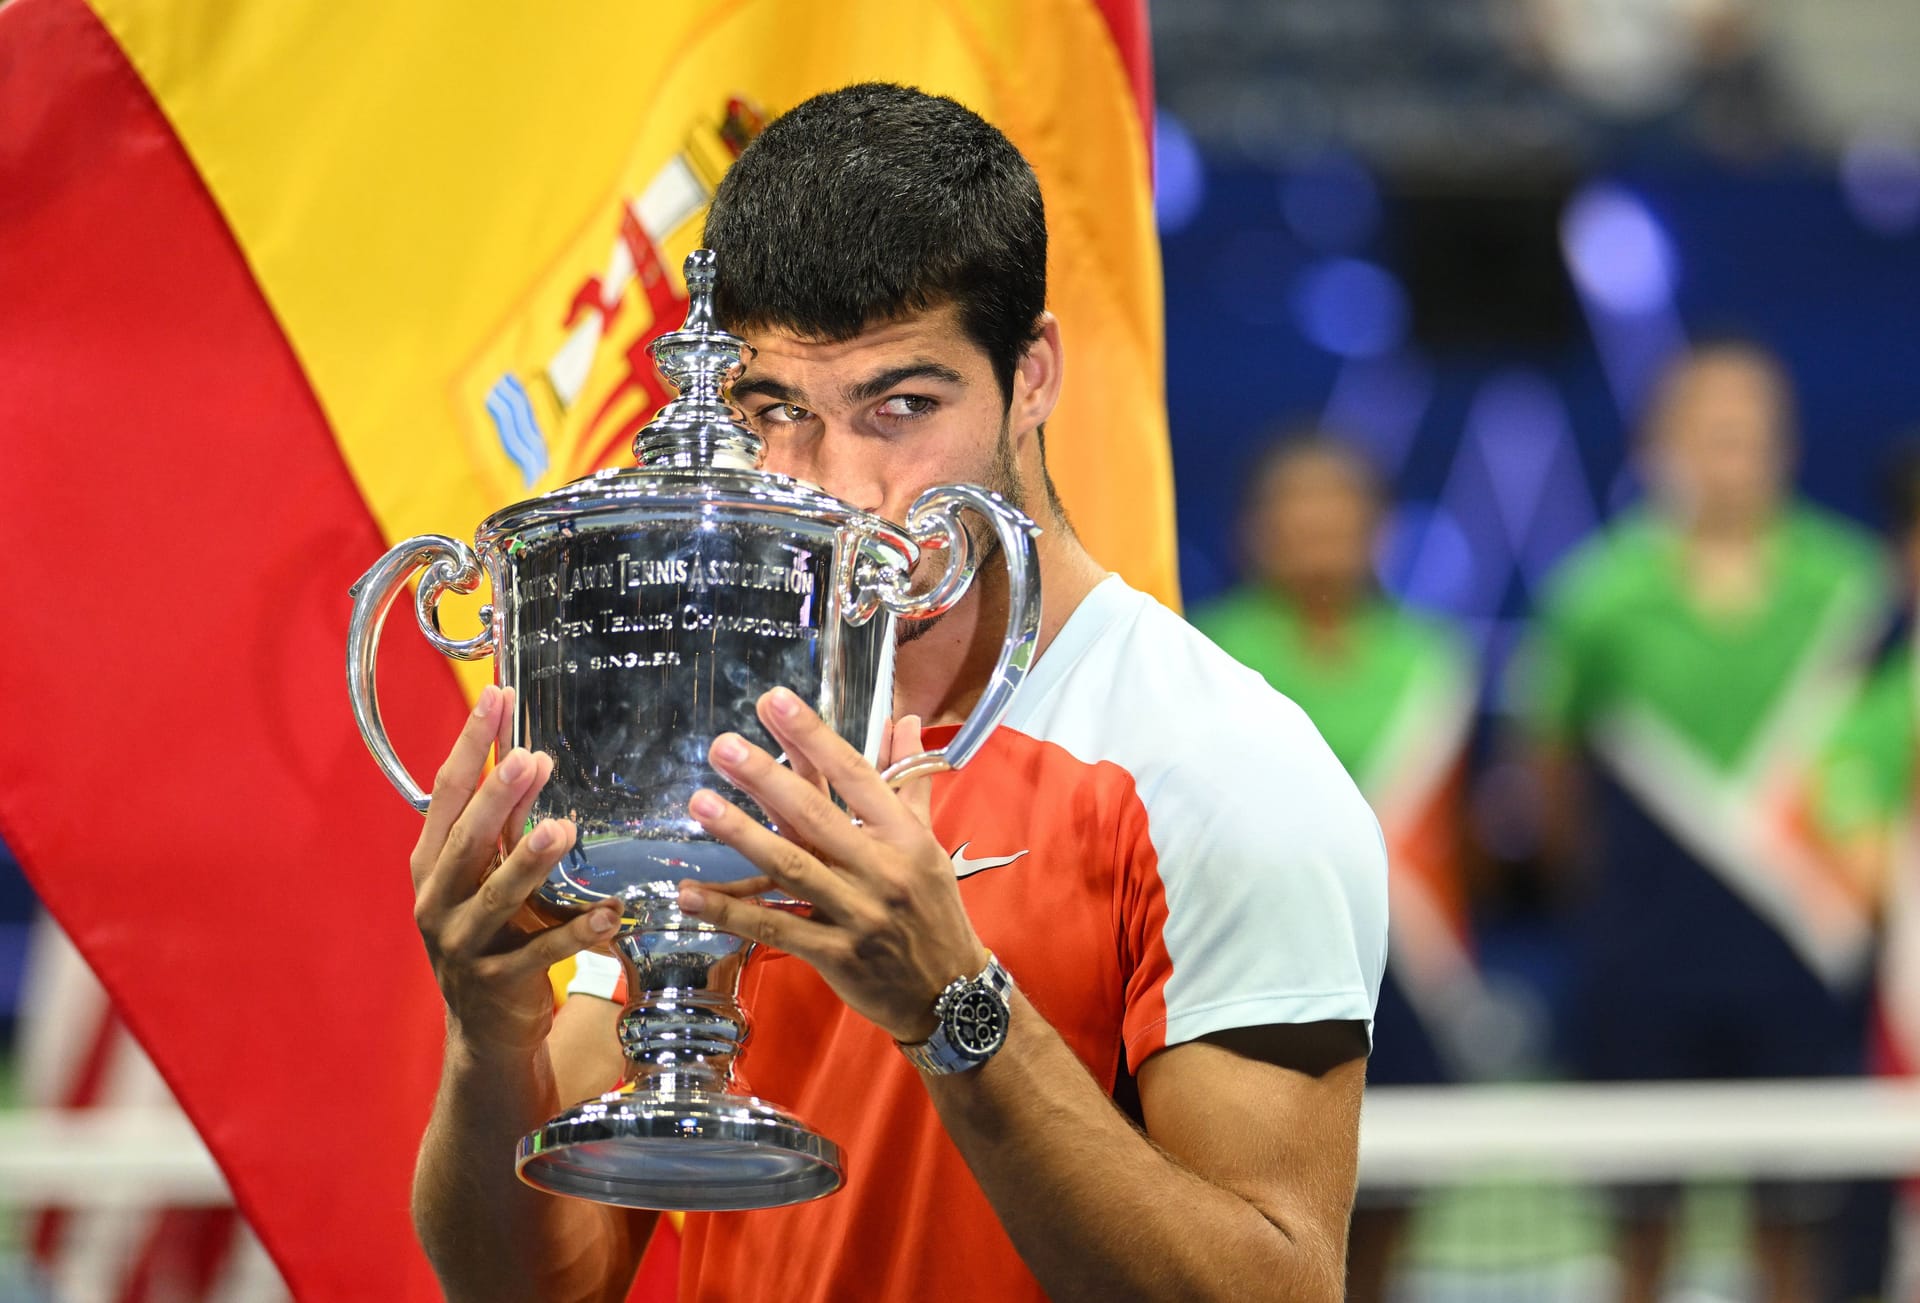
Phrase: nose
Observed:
(836, 461)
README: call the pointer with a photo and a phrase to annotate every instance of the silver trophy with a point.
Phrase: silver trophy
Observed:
(637, 614)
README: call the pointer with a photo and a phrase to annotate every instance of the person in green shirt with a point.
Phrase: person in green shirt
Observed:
(1392, 692)
(1866, 800)
(1866, 790)
(1676, 685)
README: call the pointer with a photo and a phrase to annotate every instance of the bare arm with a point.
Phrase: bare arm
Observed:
(1243, 1190)
(1241, 1193)
(488, 1235)
(585, 1048)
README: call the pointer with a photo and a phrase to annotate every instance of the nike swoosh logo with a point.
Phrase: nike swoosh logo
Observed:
(964, 867)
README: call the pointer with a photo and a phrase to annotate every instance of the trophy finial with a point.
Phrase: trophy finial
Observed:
(701, 428)
(700, 279)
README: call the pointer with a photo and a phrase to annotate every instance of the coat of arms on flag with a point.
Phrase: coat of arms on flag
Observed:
(562, 386)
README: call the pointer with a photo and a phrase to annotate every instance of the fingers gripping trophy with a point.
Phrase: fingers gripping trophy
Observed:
(637, 614)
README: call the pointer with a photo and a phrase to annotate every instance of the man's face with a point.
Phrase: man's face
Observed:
(1720, 448)
(879, 418)
(1310, 529)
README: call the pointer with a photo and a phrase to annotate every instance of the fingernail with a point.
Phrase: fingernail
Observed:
(730, 749)
(542, 837)
(691, 901)
(706, 805)
(783, 702)
(515, 766)
(484, 706)
(602, 920)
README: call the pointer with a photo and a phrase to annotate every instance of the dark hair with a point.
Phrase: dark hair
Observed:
(870, 202)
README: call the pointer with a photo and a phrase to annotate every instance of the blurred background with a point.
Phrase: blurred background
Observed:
(1464, 241)
(1467, 238)
(1469, 234)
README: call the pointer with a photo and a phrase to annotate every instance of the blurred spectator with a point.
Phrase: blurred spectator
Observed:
(1393, 694)
(1867, 798)
(1635, 58)
(1701, 68)
(1865, 788)
(1696, 654)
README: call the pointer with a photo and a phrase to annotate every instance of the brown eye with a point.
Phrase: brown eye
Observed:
(907, 405)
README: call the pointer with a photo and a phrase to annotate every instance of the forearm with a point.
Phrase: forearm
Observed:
(487, 1233)
(1096, 1210)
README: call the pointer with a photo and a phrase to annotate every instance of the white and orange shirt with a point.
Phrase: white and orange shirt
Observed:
(1158, 846)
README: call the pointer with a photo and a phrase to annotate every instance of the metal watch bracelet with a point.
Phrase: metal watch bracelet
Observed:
(973, 1015)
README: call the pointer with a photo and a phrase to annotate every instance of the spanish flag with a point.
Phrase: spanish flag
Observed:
(283, 283)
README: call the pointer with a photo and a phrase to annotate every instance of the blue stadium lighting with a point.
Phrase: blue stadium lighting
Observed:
(1517, 419)
(1625, 267)
(1380, 403)
(1880, 177)
(1351, 308)
(1332, 204)
(1426, 558)
(1620, 256)
(1179, 174)
(1519, 426)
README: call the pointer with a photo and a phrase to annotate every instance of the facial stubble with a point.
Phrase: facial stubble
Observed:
(1003, 478)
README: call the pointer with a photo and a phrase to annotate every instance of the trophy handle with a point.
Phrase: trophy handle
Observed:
(451, 567)
(934, 522)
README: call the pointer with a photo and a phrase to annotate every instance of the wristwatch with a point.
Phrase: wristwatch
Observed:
(973, 1014)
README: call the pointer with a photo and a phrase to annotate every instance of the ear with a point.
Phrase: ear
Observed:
(1036, 380)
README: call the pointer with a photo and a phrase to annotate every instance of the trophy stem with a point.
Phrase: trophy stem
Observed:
(683, 1025)
(675, 1134)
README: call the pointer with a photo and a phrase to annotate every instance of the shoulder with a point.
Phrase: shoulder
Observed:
(1820, 538)
(1251, 886)
(1865, 772)
(1434, 643)
(1884, 706)
(1149, 691)
(1225, 767)
(1609, 569)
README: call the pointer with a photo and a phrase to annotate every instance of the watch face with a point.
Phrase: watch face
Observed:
(976, 1022)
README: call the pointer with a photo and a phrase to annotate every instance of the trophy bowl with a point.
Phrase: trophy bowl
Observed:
(637, 614)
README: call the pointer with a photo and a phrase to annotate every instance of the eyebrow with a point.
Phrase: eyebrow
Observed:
(768, 387)
(862, 392)
(874, 386)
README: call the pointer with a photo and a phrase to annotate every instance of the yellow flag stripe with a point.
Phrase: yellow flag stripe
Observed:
(441, 205)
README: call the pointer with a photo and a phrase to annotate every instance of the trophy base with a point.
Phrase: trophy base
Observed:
(685, 1151)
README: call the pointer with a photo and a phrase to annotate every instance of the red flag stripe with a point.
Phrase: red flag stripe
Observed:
(1133, 39)
(161, 439)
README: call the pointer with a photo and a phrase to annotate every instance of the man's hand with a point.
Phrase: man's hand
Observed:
(887, 930)
(473, 872)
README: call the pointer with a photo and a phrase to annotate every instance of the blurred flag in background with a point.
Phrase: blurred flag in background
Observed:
(74, 1052)
(286, 283)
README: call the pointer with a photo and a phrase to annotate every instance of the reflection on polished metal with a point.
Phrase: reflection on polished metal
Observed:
(637, 614)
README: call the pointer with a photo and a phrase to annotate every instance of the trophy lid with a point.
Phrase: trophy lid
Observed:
(700, 429)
